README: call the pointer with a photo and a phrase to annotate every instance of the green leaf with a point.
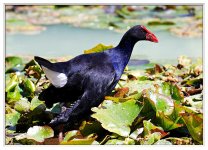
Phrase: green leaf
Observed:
(166, 88)
(176, 93)
(71, 134)
(78, 139)
(37, 133)
(12, 61)
(12, 117)
(167, 123)
(35, 103)
(115, 142)
(172, 90)
(195, 102)
(151, 138)
(12, 83)
(194, 124)
(23, 105)
(13, 96)
(194, 81)
(126, 141)
(139, 86)
(88, 128)
(79, 142)
(29, 86)
(98, 48)
(117, 118)
(159, 22)
(129, 141)
(163, 142)
(150, 128)
(159, 102)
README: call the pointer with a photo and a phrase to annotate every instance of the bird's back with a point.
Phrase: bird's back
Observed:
(93, 72)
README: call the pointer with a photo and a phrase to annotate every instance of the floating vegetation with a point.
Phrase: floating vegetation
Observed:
(183, 21)
(154, 105)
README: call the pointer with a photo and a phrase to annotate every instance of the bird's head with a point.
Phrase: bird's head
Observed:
(140, 32)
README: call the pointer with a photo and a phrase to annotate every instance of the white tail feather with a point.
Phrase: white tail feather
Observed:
(56, 78)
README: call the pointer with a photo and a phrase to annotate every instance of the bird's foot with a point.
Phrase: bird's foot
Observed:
(63, 117)
(58, 120)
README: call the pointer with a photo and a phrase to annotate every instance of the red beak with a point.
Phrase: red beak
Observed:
(150, 36)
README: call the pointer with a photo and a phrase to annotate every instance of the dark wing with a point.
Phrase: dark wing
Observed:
(95, 81)
(86, 72)
(96, 86)
(59, 73)
(74, 76)
(72, 73)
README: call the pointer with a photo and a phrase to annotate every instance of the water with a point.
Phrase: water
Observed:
(62, 40)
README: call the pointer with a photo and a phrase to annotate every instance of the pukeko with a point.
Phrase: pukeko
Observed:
(88, 78)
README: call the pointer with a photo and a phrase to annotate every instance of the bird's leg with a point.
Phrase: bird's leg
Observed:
(60, 136)
(64, 116)
(80, 107)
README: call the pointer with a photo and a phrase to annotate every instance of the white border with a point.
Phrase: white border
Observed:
(24, 147)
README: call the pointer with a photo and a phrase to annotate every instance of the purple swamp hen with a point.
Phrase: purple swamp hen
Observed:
(86, 79)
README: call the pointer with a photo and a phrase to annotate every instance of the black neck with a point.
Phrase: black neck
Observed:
(127, 42)
(121, 54)
(125, 47)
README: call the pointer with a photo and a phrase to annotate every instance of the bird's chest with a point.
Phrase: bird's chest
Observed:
(119, 65)
(118, 69)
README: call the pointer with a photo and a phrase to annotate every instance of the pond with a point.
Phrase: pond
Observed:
(62, 40)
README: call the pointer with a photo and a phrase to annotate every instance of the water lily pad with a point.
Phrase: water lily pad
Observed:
(12, 61)
(13, 96)
(160, 23)
(29, 86)
(114, 142)
(159, 102)
(35, 103)
(151, 138)
(117, 118)
(126, 141)
(23, 105)
(150, 128)
(91, 127)
(194, 102)
(11, 83)
(37, 133)
(194, 124)
(176, 93)
(163, 142)
(75, 138)
(98, 48)
(139, 86)
(71, 134)
(12, 118)
(172, 90)
(79, 142)
(167, 123)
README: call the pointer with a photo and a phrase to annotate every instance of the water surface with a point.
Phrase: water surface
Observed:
(62, 40)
